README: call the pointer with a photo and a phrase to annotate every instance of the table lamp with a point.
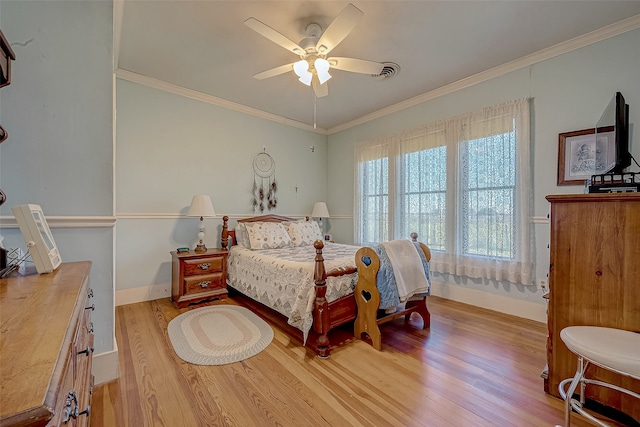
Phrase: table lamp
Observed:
(201, 206)
(320, 211)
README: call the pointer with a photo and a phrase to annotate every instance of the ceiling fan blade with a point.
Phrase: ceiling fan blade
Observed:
(274, 72)
(356, 65)
(319, 89)
(268, 32)
(339, 29)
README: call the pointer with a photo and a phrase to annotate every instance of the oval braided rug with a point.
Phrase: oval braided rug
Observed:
(218, 335)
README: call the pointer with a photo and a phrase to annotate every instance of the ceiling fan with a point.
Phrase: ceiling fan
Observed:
(313, 66)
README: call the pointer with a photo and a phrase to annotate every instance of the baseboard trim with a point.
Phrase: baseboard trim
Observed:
(105, 366)
(503, 304)
(142, 293)
(515, 307)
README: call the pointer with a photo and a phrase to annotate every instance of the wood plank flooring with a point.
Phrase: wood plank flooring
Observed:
(473, 367)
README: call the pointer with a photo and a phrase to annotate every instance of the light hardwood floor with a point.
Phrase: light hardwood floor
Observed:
(473, 367)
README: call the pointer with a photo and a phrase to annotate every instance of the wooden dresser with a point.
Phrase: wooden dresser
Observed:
(46, 347)
(594, 279)
(198, 276)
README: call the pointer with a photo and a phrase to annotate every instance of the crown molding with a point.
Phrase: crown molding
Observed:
(210, 99)
(603, 33)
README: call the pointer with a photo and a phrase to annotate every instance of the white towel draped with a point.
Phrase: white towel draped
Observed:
(408, 269)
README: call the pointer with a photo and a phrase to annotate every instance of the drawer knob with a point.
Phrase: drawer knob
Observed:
(87, 351)
(204, 283)
(86, 412)
(92, 307)
(204, 266)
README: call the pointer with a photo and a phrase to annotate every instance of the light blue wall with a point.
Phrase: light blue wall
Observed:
(569, 92)
(58, 113)
(170, 147)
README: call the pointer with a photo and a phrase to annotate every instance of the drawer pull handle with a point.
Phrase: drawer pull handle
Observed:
(92, 307)
(204, 283)
(87, 351)
(71, 408)
(204, 266)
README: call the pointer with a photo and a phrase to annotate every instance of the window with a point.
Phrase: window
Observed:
(375, 199)
(488, 194)
(462, 184)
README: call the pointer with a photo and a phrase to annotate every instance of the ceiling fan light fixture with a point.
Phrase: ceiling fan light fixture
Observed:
(301, 68)
(322, 69)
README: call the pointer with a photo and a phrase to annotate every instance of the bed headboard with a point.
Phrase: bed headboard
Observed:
(231, 234)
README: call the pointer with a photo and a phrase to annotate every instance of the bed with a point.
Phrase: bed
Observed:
(315, 287)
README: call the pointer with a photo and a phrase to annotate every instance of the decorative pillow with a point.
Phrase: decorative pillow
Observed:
(267, 235)
(303, 233)
(242, 237)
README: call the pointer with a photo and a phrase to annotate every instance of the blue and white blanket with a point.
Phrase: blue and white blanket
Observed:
(386, 280)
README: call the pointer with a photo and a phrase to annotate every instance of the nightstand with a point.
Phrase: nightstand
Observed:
(198, 276)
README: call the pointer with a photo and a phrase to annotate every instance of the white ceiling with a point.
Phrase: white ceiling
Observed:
(204, 46)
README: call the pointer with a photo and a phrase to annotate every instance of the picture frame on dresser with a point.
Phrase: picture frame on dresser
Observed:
(38, 238)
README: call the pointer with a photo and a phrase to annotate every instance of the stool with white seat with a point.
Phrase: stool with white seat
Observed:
(612, 349)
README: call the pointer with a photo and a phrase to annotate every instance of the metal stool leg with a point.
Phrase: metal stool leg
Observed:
(568, 395)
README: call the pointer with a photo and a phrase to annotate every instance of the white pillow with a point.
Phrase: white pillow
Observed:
(303, 233)
(242, 237)
(267, 235)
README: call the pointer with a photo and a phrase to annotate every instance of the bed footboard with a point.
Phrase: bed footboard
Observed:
(368, 298)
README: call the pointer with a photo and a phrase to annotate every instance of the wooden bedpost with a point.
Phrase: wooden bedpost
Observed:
(321, 311)
(225, 232)
(420, 306)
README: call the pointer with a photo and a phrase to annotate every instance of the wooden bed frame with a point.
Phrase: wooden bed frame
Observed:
(330, 315)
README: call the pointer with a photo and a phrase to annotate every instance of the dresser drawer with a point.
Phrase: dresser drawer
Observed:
(203, 283)
(199, 266)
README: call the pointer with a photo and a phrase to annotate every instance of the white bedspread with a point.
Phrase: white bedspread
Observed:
(282, 279)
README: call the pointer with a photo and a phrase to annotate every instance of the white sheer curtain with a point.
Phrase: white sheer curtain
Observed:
(493, 236)
(464, 185)
(372, 181)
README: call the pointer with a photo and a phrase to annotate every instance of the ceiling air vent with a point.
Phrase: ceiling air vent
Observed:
(390, 69)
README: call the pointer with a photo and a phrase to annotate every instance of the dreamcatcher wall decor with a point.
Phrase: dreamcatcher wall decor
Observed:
(264, 182)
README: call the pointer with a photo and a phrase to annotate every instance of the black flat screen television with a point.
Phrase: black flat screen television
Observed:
(612, 138)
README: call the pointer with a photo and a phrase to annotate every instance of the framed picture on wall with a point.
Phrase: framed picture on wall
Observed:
(578, 156)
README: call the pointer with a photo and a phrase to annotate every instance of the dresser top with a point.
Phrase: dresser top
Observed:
(37, 314)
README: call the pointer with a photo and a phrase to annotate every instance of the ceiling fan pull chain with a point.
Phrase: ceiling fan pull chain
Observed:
(315, 101)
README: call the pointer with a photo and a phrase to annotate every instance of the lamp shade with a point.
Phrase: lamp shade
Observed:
(201, 206)
(320, 210)
(301, 68)
(322, 70)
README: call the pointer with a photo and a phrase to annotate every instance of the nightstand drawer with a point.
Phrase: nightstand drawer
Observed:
(199, 266)
(203, 283)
